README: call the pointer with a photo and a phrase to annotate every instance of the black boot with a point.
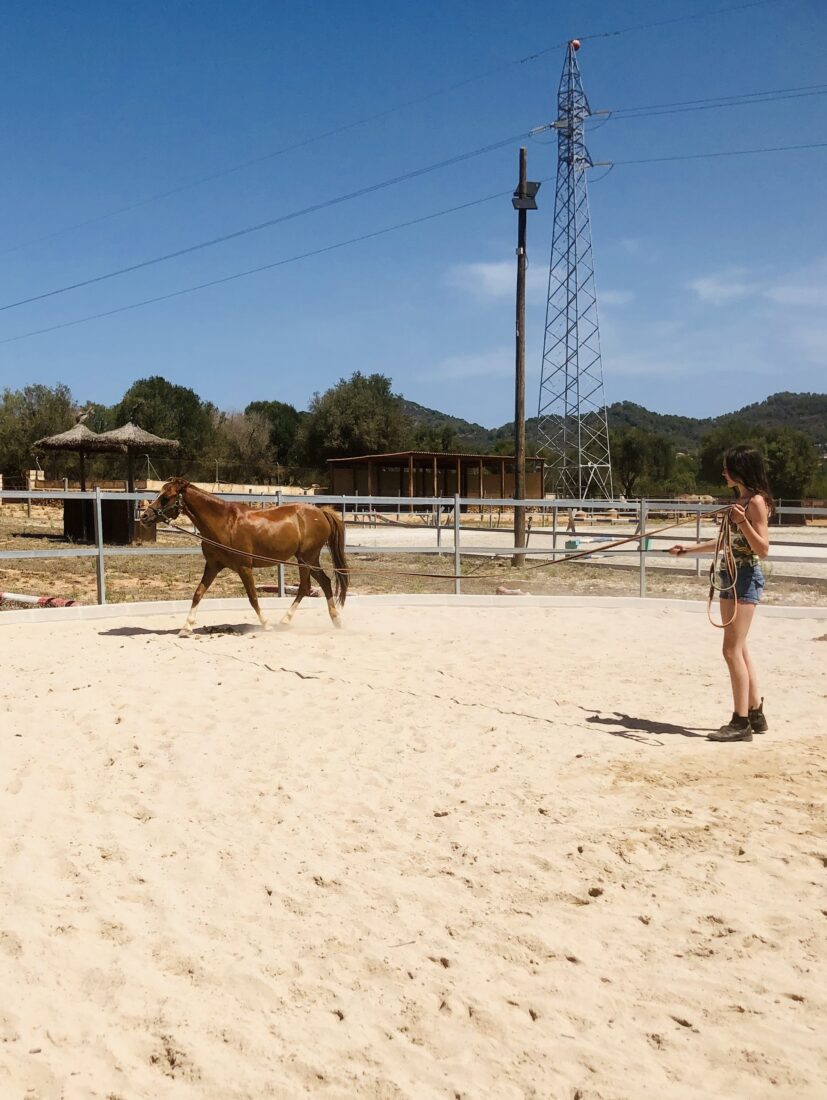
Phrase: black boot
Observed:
(737, 729)
(757, 719)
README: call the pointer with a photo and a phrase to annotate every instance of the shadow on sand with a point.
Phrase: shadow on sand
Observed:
(629, 726)
(199, 631)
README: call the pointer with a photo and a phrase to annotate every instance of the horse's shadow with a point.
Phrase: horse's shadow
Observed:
(631, 725)
(198, 631)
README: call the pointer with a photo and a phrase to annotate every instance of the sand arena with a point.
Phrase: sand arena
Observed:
(449, 851)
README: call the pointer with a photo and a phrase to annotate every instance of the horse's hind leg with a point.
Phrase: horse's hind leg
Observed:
(323, 582)
(304, 589)
(211, 571)
(249, 582)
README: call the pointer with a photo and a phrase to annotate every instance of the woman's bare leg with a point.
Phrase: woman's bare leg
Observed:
(741, 671)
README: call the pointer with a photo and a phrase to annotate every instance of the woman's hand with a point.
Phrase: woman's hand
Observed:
(677, 549)
(737, 514)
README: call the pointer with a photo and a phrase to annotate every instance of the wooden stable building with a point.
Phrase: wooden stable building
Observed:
(433, 474)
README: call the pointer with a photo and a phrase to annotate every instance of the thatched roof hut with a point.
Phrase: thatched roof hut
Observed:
(134, 439)
(132, 435)
(83, 441)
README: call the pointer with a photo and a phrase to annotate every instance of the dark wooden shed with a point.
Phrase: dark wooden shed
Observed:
(432, 474)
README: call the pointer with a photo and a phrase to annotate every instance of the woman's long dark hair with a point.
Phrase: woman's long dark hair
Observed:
(746, 464)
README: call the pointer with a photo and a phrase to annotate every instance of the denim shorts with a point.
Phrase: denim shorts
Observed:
(749, 584)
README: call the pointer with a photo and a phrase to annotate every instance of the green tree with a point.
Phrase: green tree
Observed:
(791, 459)
(433, 438)
(27, 415)
(243, 448)
(357, 416)
(792, 462)
(283, 423)
(174, 412)
(711, 456)
(630, 452)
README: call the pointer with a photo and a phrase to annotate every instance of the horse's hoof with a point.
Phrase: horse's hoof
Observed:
(266, 626)
(185, 632)
(337, 622)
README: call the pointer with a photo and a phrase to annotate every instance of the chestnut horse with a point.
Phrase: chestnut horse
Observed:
(239, 537)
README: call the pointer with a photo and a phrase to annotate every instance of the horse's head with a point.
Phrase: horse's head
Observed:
(168, 504)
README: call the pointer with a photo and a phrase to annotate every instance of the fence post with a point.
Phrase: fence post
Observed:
(642, 547)
(698, 537)
(281, 565)
(457, 559)
(101, 575)
(554, 530)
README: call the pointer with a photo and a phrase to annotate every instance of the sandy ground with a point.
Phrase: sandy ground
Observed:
(445, 852)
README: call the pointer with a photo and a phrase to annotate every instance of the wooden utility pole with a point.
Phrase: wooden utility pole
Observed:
(522, 202)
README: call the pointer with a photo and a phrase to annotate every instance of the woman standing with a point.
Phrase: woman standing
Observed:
(744, 473)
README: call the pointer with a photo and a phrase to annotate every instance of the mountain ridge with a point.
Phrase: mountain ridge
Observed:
(807, 412)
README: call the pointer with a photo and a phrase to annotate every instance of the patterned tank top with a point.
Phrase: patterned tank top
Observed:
(741, 549)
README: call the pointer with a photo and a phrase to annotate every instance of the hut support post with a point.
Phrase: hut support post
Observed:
(83, 509)
(457, 560)
(130, 488)
(101, 575)
(281, 564)
(410, 480)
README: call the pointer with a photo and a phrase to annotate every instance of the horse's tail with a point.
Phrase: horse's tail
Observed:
(336, 545)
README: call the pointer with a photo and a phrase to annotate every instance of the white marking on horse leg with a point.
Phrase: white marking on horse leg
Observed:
(290, 612)
(335, 617)
(186, 629)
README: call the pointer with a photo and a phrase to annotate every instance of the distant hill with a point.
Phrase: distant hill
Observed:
(806, 412)
(468, 436)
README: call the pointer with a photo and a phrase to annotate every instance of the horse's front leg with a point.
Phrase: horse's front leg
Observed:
(249, 582)
(211, 571)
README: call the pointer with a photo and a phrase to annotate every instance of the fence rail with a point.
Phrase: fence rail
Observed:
(433, 510)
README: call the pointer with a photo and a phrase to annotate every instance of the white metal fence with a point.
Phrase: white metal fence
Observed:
(444, 515)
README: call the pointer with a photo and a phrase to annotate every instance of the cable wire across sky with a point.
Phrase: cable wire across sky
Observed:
(280, 219)
(365, 120)
(383, 232)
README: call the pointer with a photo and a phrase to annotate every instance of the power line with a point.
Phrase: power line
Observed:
(628, 112)
(718, 98)
(365, 120)
(257, 270)
(314, 208)
(692, 17)
(380, 233)
(722, 153)
(713, 104)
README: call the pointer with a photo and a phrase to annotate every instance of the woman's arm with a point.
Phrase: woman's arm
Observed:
(698, 548)
(753, 521)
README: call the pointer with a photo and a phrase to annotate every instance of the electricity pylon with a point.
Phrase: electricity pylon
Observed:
(574, 434)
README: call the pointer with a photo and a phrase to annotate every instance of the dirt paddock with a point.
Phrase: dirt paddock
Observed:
(462, 852)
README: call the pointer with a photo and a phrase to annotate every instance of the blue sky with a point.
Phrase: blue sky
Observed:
(711, 274)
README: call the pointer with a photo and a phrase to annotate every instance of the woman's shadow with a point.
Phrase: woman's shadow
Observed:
(634, 725)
